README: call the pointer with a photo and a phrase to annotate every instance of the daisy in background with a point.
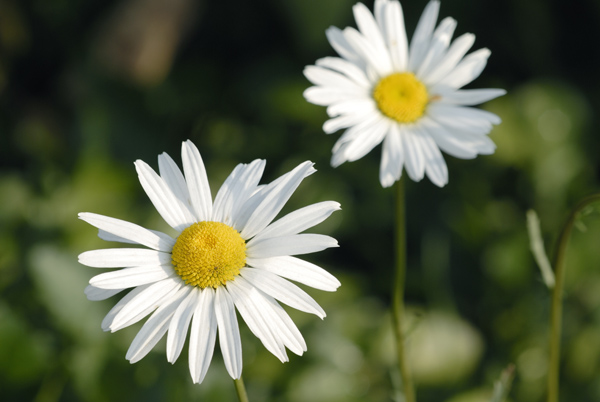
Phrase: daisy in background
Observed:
(227, 255)
(382, 89)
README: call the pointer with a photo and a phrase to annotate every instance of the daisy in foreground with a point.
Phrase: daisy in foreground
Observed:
(228, 255)
(408, 96)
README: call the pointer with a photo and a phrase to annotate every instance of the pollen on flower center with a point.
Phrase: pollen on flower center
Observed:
(401, 96)
(208, 254)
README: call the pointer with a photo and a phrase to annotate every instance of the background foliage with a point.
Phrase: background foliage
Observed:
(87, 87)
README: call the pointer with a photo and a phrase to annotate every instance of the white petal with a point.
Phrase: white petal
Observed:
(368, 27)
(332, 125)
(282, 290)
(129, 231)
(299, 220)
(484, 145)
(455, 53)
(339, 43)
(149, 335)
(284, 325)
(467, 119)
(297, 270)
(154, 329)
(479, 144)
(249, 186)
(179, 324)
(248, 302)
(107, 236)
(414, 160)
(203, 335)
(347, 68)
(276, 195)
(131, 277)
(272, 325)
(123, 257)
(392, 157)
(367, 139)
(144, 303)
(448, 142)
(235, 191)
(356, 107)
(304, 243)
(109, 318)
(395, 32)
(419, 43)
(171, 208)
(435, 166)
(338, 153)
(325, 96)
(469, 97)
(331, 79)
(467, 70)
(224, 199)
(379, 11)
(375, 58)
(197, 181)
(456, 146)
(356, 131)
(95, 294)
(229, 333)
(104, 235)
(173, 177)
(437, 48)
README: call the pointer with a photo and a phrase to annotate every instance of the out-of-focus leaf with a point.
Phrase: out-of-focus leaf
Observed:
(443, 349)
(59, 281)
(477, 395)
(536, 243)
(24, 353)
(142, 36)
(503, 384)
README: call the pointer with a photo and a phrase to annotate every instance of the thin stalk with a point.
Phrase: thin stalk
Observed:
(398, 293)
(240, 389)
(557, 296)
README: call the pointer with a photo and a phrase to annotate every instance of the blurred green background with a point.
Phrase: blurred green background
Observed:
(89, 86)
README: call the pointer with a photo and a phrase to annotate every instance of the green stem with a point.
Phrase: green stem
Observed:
(557, 296)
(398, 293)
(240, 389)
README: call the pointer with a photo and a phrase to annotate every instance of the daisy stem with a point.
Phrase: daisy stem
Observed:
(240, 389)
(557, 296)
(398, 293)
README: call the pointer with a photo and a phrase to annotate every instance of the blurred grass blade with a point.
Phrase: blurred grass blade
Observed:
(537, 248)
(502, 386)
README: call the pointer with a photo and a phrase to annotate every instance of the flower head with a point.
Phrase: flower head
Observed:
(382, 89)
(227, 255)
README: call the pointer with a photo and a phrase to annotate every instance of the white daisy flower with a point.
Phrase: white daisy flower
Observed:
(382, 89)
(228, 255)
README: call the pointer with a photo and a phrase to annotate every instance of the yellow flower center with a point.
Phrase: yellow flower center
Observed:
(208, 254)
(401, 96)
